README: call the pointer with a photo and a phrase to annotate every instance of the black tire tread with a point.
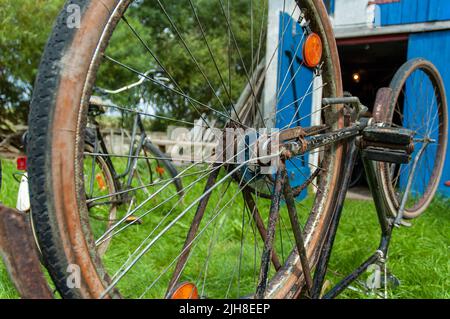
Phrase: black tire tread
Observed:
(41, 112)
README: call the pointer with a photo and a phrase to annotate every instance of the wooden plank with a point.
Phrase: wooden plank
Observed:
(358, 32)
(20, 254)
(414, 11)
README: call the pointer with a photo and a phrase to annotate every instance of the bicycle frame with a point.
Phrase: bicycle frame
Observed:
(385, 219)
(133, 155)
(386, 225)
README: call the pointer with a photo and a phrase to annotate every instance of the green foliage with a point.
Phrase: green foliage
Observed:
(212, 71)
(24, 28)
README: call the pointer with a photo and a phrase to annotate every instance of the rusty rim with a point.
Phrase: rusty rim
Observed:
(398, 85)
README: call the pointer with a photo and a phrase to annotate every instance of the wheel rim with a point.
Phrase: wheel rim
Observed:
(422, 78)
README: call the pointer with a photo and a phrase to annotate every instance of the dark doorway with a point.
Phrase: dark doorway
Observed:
(366, 67)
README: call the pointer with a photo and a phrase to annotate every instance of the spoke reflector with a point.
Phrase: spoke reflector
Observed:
(100, 181)
(312, 50)
(160, 170)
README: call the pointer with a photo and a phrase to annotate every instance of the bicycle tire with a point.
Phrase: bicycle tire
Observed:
(155, 150)
(391, 195)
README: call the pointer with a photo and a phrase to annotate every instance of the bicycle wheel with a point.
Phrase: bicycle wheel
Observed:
(164, 166)
(215, 236)
(99, 182)
(418, 103)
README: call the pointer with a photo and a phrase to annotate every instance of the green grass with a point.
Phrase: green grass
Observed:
(8, 197)
(419, 256)
(8, 193)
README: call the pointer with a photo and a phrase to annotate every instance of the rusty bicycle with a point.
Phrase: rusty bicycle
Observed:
(245, 227)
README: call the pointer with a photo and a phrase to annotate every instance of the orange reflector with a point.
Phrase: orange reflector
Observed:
(133, 219)
(100, 181)
(312, 50)
(160, 170)
(185, 291)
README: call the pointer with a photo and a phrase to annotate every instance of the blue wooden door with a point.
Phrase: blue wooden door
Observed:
(294, 92)
(435, 47)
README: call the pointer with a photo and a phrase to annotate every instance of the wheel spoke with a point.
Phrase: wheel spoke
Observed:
(269, 242)
(171, 89)
(191, 54)
(201, 208)
(300, 242)
(258, 221)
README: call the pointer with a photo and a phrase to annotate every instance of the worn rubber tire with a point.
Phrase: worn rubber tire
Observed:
(397, 84)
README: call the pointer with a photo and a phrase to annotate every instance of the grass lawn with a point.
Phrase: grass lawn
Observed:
(8, 197)
(419, 256)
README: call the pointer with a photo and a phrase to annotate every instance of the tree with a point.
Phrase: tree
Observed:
(24, 28)
(192, 71)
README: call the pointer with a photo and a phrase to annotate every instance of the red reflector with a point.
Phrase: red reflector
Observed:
(21, 163)
(447, 183)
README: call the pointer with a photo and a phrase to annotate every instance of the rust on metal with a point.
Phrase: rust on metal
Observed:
(292, 133)
(288, 286)
(20, 255)
(268, 244)
(298, 235)
(382, 102)
(297, 190)
(246, 192)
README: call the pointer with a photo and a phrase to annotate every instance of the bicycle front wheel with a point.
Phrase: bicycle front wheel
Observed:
(418, 103)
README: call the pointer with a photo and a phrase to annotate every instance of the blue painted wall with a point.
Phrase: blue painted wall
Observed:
(435, 47)
(330, 6)
(294, 98)
(414, 11)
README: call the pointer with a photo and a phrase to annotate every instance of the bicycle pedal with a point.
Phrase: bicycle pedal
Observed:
(387, 144)
(134, 220)
(380, 154)
(391, 136)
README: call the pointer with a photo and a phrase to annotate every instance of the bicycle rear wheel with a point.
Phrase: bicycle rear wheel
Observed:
(418, 103)
(216, 235)
(99, 181)
(164, 166)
